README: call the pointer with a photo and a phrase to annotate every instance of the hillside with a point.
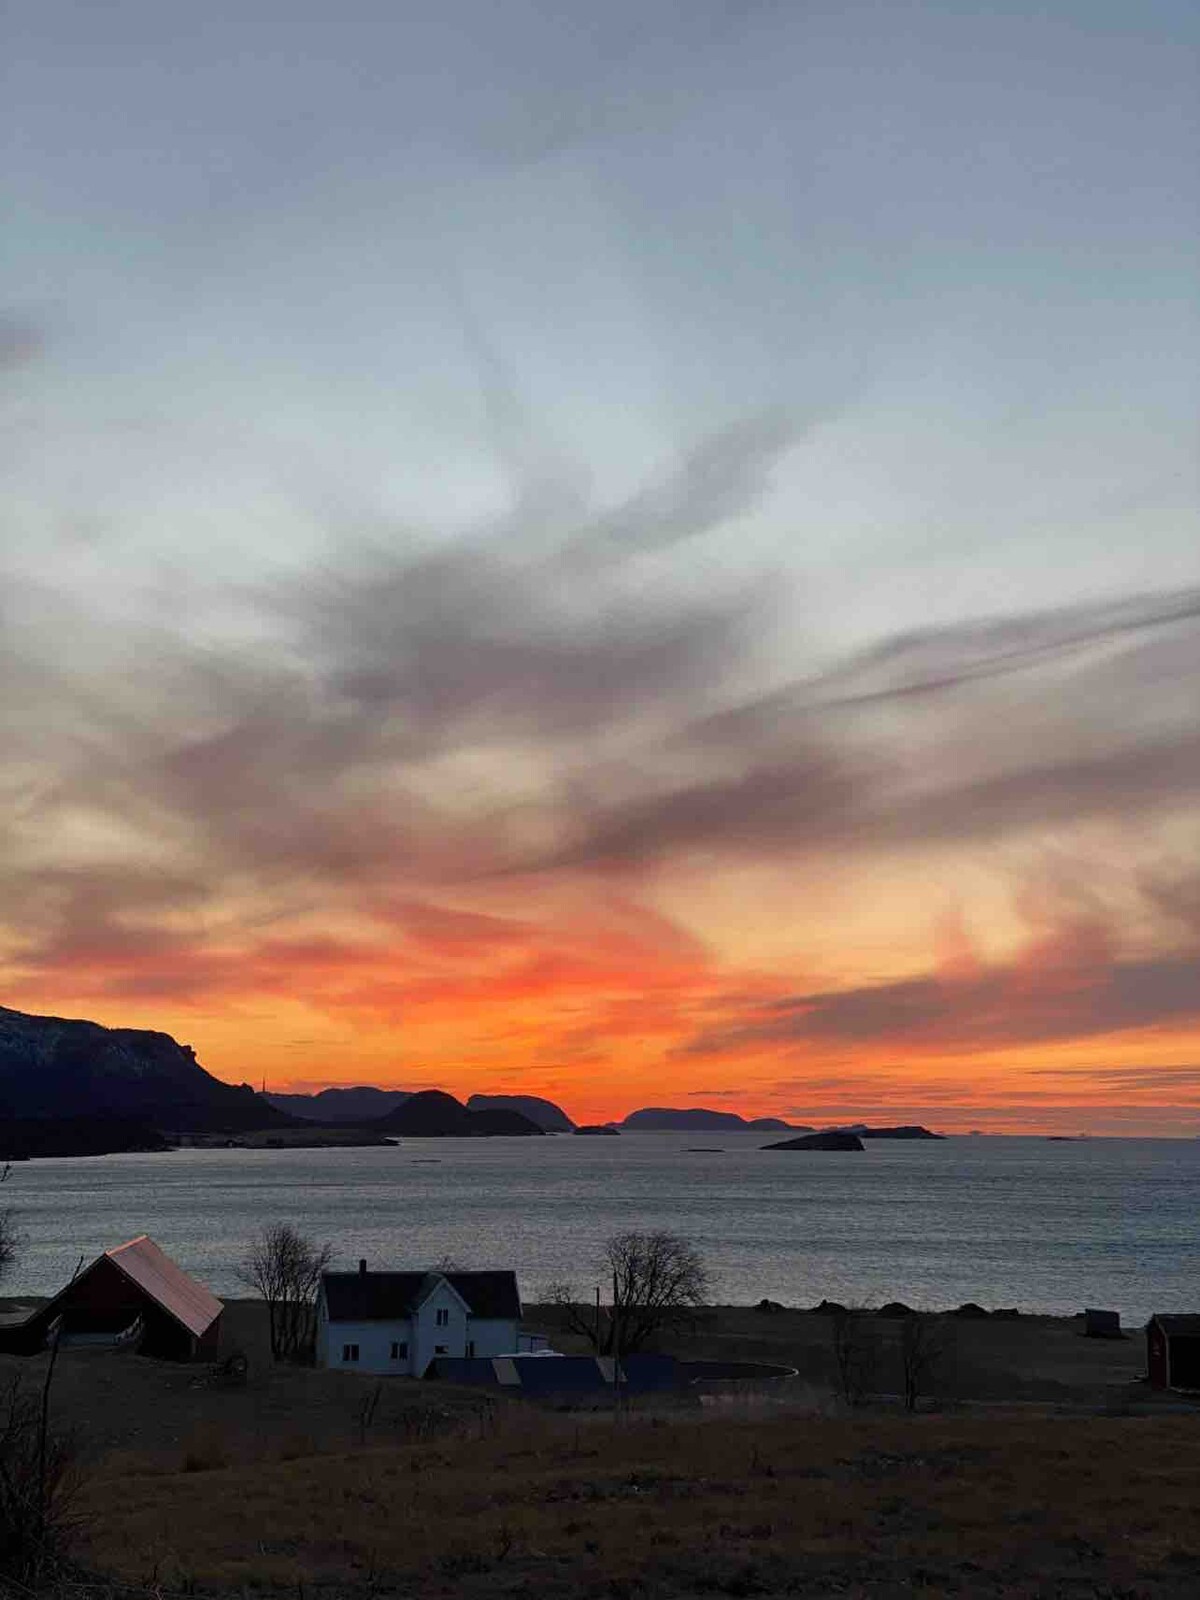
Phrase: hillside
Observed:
(665, 1119)
(548, 1116)
(361, 1103)
(432, 1114)
(69, 1068)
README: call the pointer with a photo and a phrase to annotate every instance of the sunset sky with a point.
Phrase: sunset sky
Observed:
(645, 553)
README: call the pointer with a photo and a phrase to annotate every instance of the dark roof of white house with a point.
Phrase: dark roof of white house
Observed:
(386, 1296)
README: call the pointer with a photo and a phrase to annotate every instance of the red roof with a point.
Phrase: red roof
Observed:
(165, 1282)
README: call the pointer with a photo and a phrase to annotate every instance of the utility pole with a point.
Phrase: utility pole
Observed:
(616, 1349)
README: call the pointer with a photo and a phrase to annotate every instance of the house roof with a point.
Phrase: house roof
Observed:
(386, 1296)
(1185, 1327)
(167, 1284)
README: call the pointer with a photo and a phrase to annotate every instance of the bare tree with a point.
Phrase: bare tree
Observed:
(8, 1231)
(285, 1268)
(924, 1352)
(657, 1283)
(855, 1353)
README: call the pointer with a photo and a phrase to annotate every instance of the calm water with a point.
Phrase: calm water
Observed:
(1024, 1222)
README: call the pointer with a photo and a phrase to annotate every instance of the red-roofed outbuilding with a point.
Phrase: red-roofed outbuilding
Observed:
(132, 1294)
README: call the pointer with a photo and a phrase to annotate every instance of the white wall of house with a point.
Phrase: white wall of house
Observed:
(492, 1336)
(440, 1327)
(367, 1346)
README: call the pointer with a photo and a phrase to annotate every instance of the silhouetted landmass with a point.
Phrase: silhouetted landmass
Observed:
(776, 1125)
(686, 1119)
(601, 1129)
(906, 1131)
(26, 1138)
(820, 1141)
(69, 1068)
(548, 1116)
(361, 1103)
(432, 1114)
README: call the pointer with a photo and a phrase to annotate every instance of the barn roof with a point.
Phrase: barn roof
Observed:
(167, 1284)
(1183, 1327)
(386, 1296)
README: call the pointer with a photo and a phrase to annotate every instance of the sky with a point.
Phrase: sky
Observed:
(645, 553)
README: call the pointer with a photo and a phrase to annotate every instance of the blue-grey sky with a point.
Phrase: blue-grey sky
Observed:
(593, 373)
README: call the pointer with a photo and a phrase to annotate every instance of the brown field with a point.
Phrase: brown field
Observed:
(1043, 1468)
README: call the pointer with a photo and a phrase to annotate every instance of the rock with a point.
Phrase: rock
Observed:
(830, 1308)
(969, 1309)
(769, 1305)
(819, 1141)
(906, 1131)
(895, 1308)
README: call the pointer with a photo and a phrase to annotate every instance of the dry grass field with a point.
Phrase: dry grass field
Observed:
(546, 1505)
(1041, 1469)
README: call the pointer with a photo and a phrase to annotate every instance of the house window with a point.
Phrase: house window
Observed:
(443, 1317)
(441, 1349)
(399, 1349)
(349, 1352)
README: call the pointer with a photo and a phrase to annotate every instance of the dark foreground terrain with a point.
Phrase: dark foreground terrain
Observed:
(303, 1482)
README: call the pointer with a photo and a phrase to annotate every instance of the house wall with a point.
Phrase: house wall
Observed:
(491, 1337)
(374, 1341)
(430, 1339)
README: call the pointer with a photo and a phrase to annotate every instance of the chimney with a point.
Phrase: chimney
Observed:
(362, 1263)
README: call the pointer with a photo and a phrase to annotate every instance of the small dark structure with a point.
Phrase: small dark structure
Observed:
(1173, 1352)
(131, 1295)
(1102, 1324)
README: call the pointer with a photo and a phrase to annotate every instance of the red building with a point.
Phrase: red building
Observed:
(1173, 1352)
(131, 1295)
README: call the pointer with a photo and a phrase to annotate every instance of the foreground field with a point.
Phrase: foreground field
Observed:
(1039, 1466)
(531, 1504)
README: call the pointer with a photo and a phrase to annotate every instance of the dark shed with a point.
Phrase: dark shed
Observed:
(1173, 1352)
(133, 1294)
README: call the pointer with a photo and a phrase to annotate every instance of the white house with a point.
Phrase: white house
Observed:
(398, 1322)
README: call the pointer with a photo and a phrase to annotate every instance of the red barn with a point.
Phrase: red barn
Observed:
(1173, 1352)
(133, 1294)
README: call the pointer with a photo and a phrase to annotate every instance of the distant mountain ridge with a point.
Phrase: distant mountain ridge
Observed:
(545, 1113)
(434, 1114)
(665, 1119)
(65, 1067)
(362, 1103)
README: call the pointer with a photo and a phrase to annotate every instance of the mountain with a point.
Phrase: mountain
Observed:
(362, 1103)
(65, 1067)
(433, 1114)
(660, 1119)
(548, 1116)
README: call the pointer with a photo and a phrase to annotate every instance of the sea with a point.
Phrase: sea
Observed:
(1041, 1225)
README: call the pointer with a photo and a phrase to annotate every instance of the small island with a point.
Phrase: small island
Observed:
(601, 1130)
(832, 1140)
